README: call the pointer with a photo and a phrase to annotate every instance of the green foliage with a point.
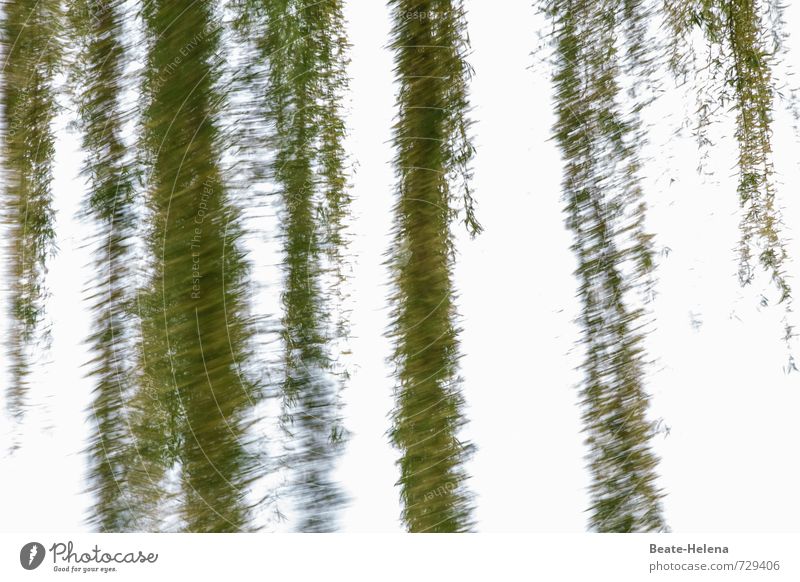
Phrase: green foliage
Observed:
(605, 212)
(431, 137)
(303, 48)
(96, 28)
(194, 406)
(743, 36)
(31, 37)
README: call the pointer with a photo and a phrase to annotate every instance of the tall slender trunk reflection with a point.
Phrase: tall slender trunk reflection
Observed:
(197, 410)
(605, 212)
(433, 150)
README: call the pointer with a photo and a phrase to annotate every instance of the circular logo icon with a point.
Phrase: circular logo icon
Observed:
(31, 555)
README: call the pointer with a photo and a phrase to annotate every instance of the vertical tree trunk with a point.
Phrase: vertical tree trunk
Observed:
(605, 212)
(96, 26)
(196, 337)
(432, 147)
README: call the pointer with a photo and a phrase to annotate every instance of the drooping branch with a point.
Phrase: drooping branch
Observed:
(743, 36)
